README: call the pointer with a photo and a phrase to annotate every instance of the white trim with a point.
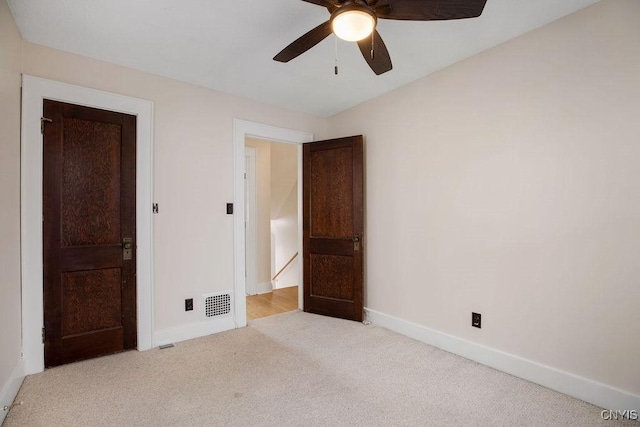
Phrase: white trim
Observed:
(251, 229)
(11, 388)
(300, 236)
(264, 288)
(34, 90)
(193, 330)
(242, 129)
(582, 388)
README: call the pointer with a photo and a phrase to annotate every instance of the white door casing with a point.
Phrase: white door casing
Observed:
(251, 222)
(34, 91)
(241, 130)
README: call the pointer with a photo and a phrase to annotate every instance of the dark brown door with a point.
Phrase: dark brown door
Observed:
(333, 225)
(89, 211)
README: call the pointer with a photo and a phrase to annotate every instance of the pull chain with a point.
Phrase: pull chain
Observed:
(335, 68)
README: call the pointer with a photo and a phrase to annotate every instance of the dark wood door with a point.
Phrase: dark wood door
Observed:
(89, 209)
(333, 226)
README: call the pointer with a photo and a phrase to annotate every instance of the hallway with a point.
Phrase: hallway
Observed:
(275, 302)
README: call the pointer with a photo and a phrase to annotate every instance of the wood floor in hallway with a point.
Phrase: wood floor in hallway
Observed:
(275, 302)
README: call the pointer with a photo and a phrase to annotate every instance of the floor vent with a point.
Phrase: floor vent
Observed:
(216, 305)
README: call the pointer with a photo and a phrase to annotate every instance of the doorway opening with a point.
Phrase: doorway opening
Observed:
(271, 232)
(242, 130)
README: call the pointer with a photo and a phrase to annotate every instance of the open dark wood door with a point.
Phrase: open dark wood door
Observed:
(89, 232)
(333, 226)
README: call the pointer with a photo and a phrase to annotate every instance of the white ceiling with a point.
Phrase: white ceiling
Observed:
(229, 45)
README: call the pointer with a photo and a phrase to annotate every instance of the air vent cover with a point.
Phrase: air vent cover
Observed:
(215, 305)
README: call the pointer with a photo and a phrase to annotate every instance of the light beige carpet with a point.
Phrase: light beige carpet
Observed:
(292, 369)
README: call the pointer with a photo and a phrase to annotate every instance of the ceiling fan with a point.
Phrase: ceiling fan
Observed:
(355, 20)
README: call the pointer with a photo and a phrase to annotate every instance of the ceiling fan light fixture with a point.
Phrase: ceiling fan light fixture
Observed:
(353, 23)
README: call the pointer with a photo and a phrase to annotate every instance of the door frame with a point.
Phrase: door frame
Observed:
(251, 228)
(241, 130)
(34, 91)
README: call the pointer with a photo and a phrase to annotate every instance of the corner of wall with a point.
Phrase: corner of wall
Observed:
(10, 389)
(11, 362)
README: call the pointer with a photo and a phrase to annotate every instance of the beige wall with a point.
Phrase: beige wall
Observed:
(284, 211)
(263, 202)
(284, 230)
(10, 52)
(506, 184)
(509, 184)
(193, 153)
(284, 174)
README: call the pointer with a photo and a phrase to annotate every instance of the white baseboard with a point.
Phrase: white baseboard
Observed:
(193, 330)
(285, 286)
(590, 391)
(10, 389)
(264, 288)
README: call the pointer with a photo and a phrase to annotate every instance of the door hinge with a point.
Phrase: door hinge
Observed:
(42, 335)
(44, 120)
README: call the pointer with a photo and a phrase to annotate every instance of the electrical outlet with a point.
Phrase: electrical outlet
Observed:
(188, 304)
(476, 320)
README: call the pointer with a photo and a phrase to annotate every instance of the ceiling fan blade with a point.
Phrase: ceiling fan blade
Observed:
(304, 43)
(381, 61)
(325, 3)
(429, 10)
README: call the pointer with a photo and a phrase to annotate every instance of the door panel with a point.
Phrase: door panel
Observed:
(89, 208)
(92, 301)
(332, 276)
(333, 219)
(90, 183)
(332, 192)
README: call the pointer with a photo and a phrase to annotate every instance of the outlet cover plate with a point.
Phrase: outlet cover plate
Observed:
(476, 320)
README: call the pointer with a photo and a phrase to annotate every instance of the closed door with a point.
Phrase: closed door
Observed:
(333, 226)
(89, 232)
